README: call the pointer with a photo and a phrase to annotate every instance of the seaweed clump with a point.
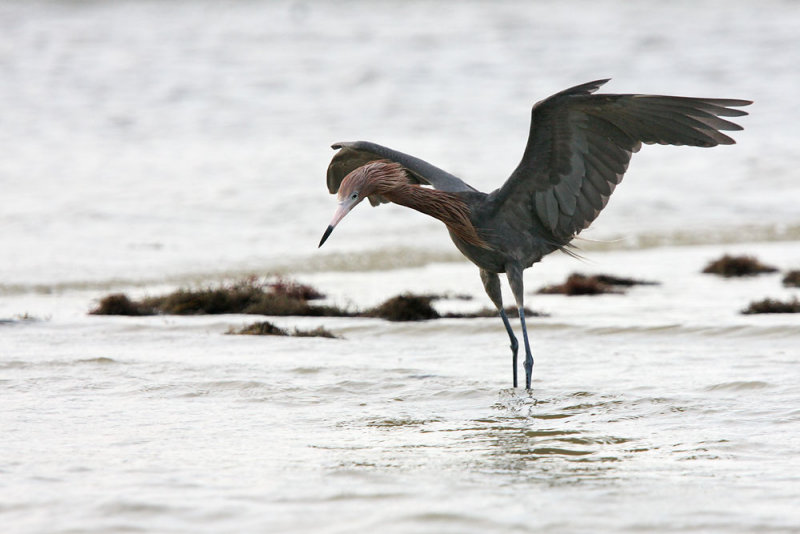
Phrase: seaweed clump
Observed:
(295, 290)
(249, 296)
(405, 307)
(733, 266)
(792, 279)
(319, 331)
(266, 328)
(261, 328)
(598, 284)
(120, 304)
(410, 307)
(773, 306)
(578, 284)
(622, 281)
(281, 298)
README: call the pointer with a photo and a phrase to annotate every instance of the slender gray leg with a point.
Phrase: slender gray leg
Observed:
(491, 282)
(514, 343)
(528, 355)
(514, 274)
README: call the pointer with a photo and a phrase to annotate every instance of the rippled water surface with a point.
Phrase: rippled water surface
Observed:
(659, 410)
(153, 145)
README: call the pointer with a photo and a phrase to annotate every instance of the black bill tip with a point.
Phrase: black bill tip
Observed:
(325, 235)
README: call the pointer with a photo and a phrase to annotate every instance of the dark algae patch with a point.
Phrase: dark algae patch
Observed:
(319, 331)
(249, 296)
(612, 280)
(120, 304)
(409, 307)
(578, 284)
(266, 328)
(598, 284)
(295, 290)
(792, 279)
(731, 266)
(261, 328)
(406, 307)
(282, 298)
(773, 306)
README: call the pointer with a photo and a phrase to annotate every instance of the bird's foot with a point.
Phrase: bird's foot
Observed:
(528, 370)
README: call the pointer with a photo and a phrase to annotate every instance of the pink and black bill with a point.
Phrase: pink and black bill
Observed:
(325, 235)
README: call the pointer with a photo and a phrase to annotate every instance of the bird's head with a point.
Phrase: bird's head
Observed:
(376, 177)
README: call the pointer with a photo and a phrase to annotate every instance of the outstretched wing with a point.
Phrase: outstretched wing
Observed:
(580, 145)
(355, 154)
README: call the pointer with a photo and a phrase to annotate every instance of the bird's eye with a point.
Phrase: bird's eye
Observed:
(354, 196)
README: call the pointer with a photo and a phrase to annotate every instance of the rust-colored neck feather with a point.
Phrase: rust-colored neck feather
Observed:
(389, 180)
(446, 207)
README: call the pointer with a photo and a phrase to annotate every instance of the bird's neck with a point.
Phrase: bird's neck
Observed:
(447, 207)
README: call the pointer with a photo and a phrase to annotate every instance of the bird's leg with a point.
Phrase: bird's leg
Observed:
(514, 274)
(491, 282)
(514, 344)
(528, 355)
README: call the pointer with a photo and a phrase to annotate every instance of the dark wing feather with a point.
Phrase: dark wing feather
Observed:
(353, 155)
(580, 145)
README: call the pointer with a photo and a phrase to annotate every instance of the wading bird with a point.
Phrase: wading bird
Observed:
(579, 147)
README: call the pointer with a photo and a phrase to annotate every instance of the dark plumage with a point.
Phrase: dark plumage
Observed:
(578, 149)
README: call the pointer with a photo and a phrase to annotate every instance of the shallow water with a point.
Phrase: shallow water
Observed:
(659, 410)
(151, 145)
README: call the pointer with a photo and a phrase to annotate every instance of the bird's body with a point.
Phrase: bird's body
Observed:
(578, 150)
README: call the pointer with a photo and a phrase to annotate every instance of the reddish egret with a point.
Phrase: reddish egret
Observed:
(578, 149)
